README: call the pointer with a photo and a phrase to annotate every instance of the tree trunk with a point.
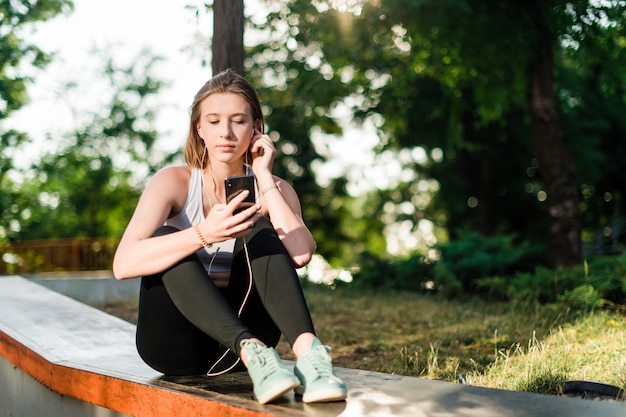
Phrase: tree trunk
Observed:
(228, 23)
(556, 165)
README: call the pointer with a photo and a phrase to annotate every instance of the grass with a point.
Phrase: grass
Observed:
(499, 345)
(592, 347)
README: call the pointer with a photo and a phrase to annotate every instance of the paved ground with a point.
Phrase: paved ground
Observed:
(79, 336)
(376, 394)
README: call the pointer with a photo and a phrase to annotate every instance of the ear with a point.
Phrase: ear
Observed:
(257, 125)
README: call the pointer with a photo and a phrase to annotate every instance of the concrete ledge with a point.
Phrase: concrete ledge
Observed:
(80, 352)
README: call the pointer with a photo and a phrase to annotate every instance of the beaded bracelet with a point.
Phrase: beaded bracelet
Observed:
(270, 188)
(202, 240)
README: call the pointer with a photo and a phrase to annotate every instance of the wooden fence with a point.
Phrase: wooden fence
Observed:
(35, 256)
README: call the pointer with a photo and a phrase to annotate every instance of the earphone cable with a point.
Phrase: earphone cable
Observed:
(239, 312)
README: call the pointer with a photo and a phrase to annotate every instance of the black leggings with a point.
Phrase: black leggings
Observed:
(186, 322)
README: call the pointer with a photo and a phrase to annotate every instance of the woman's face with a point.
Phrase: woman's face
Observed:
(226, 126)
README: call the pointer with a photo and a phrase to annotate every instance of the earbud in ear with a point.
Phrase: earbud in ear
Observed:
(200, 133)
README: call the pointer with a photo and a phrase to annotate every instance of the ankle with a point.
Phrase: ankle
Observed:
(302, 344)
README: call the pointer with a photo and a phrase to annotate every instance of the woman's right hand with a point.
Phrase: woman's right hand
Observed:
(222, 223)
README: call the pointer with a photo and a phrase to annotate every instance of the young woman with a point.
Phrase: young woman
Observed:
(219, 286)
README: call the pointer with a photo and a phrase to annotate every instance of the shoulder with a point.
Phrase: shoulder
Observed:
(171, 184)
(174, 175)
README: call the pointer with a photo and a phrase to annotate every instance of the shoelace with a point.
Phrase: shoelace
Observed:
(264, 358)
(318, 361)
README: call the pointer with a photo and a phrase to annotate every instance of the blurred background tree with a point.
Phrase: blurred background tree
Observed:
(502, 119)
(227, 43)
(486, 97)
(20, 62)
(89, 186)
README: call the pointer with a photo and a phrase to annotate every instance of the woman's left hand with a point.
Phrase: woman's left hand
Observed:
(263, 152)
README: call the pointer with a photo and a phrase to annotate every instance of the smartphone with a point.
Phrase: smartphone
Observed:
(235, 185)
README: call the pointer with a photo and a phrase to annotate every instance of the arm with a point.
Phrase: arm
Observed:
(283, 207)
(138, 252)
(281, 204)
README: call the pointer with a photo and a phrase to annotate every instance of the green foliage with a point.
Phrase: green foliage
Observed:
(410, 274)
(290, 119)
(374, 272)
(584, 297)
(88, 186)
(16, 54)
(593, 102)
(475, 257)
(607, 275)
(544, 285)
(499, 269)
(431, 75)
(602, 282)
(79, 196)
(447, 283)
(19, 62)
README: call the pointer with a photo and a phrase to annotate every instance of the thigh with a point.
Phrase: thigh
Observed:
(166, 340)
(269, 309)
(244, 299)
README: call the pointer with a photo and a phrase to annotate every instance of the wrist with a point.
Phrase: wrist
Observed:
(203, 241)
(264, 179)
(269, 188)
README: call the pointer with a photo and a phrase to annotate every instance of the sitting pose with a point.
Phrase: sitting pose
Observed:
(219, 285)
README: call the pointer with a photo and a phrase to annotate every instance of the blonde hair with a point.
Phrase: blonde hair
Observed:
(227, 81)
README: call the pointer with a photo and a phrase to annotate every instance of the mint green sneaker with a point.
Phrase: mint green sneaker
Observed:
(315, 371)
(270, 377)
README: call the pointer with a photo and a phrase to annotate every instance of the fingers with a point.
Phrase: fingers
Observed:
(225, 224)
(262, 144)
(240, 210)
(245, 213)
(237, 199)
(244, 228)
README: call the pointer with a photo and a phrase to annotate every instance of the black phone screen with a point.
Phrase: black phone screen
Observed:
(235, 185)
